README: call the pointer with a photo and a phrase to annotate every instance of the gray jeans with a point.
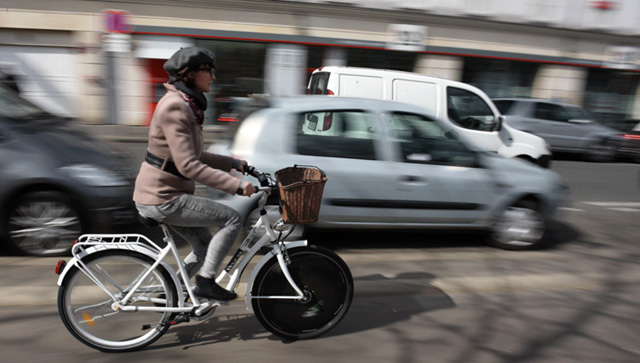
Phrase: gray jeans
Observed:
(190, 217)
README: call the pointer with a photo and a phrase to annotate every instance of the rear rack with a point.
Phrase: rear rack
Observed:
(123, 240)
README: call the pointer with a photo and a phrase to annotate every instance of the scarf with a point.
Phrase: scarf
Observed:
(197, 97)
(195, 100)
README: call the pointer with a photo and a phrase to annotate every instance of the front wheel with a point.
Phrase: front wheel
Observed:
(327, 285)
(88, 311)
(519, 227)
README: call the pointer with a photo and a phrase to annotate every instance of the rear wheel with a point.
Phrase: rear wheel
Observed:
(519, 227)
(328, 290)
(88, 311)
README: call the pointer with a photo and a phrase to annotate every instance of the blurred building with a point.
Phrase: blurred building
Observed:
(76, 59)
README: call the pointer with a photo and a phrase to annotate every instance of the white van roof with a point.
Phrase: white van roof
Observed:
(360, 71)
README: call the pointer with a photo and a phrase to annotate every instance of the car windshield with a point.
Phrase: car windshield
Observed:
(12, 106)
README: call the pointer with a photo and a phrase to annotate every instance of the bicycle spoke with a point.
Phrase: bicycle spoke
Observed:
(98, 322)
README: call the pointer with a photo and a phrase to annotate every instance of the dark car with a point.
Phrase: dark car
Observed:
(630, 148)
(566, 128)
(57, 180)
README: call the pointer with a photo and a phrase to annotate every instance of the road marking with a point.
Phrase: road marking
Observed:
(627, 207)
(615, 204)
(572, 209)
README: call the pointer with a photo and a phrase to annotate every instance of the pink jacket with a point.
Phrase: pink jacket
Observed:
(175, 134)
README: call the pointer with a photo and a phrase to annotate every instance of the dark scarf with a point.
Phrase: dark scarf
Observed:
(196, 100)
(197, 97)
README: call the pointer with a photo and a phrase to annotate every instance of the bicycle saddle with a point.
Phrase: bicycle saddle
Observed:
(148, 221)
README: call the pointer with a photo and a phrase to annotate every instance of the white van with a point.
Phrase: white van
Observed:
(464, 107)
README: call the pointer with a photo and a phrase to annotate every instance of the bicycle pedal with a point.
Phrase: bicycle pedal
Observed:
(182, 318)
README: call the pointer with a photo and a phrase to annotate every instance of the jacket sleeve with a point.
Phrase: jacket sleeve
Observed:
(178, 133)
(217, 161)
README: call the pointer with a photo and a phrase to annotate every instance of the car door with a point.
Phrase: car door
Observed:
(347, 145)
(475, 118)
(437, 179)
(554, 126)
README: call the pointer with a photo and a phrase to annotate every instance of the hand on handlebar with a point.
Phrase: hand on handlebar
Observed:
(262, 177)
(247, 189)
(240, 165)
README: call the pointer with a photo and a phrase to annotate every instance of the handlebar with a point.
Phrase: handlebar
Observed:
(263, 178)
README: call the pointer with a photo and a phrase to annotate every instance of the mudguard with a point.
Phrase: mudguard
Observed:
(261, 263)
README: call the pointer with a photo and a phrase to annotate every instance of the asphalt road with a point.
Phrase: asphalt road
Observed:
(420, 297)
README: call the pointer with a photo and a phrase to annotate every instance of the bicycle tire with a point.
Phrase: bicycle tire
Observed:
(86, 309)
(322, 275)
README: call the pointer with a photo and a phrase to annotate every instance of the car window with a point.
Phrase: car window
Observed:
(503, 106)
(13, 106)
(577, 113)
(318, 83)
(337, 133)
(548, 111)
(468, 110)
(423, 140)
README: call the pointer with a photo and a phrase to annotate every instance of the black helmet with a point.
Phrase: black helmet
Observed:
(191, 58)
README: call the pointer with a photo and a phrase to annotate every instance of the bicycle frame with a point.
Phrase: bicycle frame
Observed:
(89, 244)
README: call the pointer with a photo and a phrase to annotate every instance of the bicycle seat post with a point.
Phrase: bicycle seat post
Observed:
(168, 237)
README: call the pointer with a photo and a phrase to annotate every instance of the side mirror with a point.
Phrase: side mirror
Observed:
(499, 123)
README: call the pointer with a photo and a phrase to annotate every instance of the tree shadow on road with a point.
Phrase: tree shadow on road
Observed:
(378, 301)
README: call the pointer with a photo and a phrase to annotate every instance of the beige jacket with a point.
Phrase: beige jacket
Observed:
(175, 134)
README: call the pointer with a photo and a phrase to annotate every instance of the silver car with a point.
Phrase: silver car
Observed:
(395, 166)
(566, 128)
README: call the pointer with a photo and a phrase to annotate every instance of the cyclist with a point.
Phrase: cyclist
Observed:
(175, 160)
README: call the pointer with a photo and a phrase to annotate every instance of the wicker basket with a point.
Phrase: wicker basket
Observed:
(301, 190)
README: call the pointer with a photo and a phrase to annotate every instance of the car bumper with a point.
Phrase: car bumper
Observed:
(630, 149)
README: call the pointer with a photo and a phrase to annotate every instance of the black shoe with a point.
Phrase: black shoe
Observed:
(208, 288)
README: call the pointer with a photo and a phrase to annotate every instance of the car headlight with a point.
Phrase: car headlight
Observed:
(93, 175)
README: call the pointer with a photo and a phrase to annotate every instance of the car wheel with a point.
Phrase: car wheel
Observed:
(42, 224)
(601, 151)
(519, 227)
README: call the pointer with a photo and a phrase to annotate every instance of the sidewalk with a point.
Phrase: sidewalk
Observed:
(130, 133)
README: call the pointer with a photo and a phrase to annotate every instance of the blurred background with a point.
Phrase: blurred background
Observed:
(101, 61)
(74, 70)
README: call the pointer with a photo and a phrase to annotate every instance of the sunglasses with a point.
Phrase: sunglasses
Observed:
(210, 70)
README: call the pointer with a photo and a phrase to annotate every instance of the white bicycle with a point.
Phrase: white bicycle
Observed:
(118, 293)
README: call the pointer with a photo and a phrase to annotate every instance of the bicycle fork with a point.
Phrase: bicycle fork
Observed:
(283, 261)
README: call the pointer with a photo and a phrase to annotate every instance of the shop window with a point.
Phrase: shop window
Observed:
(500, 78)
(240, 74)
(610, 94)
(382, 59)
